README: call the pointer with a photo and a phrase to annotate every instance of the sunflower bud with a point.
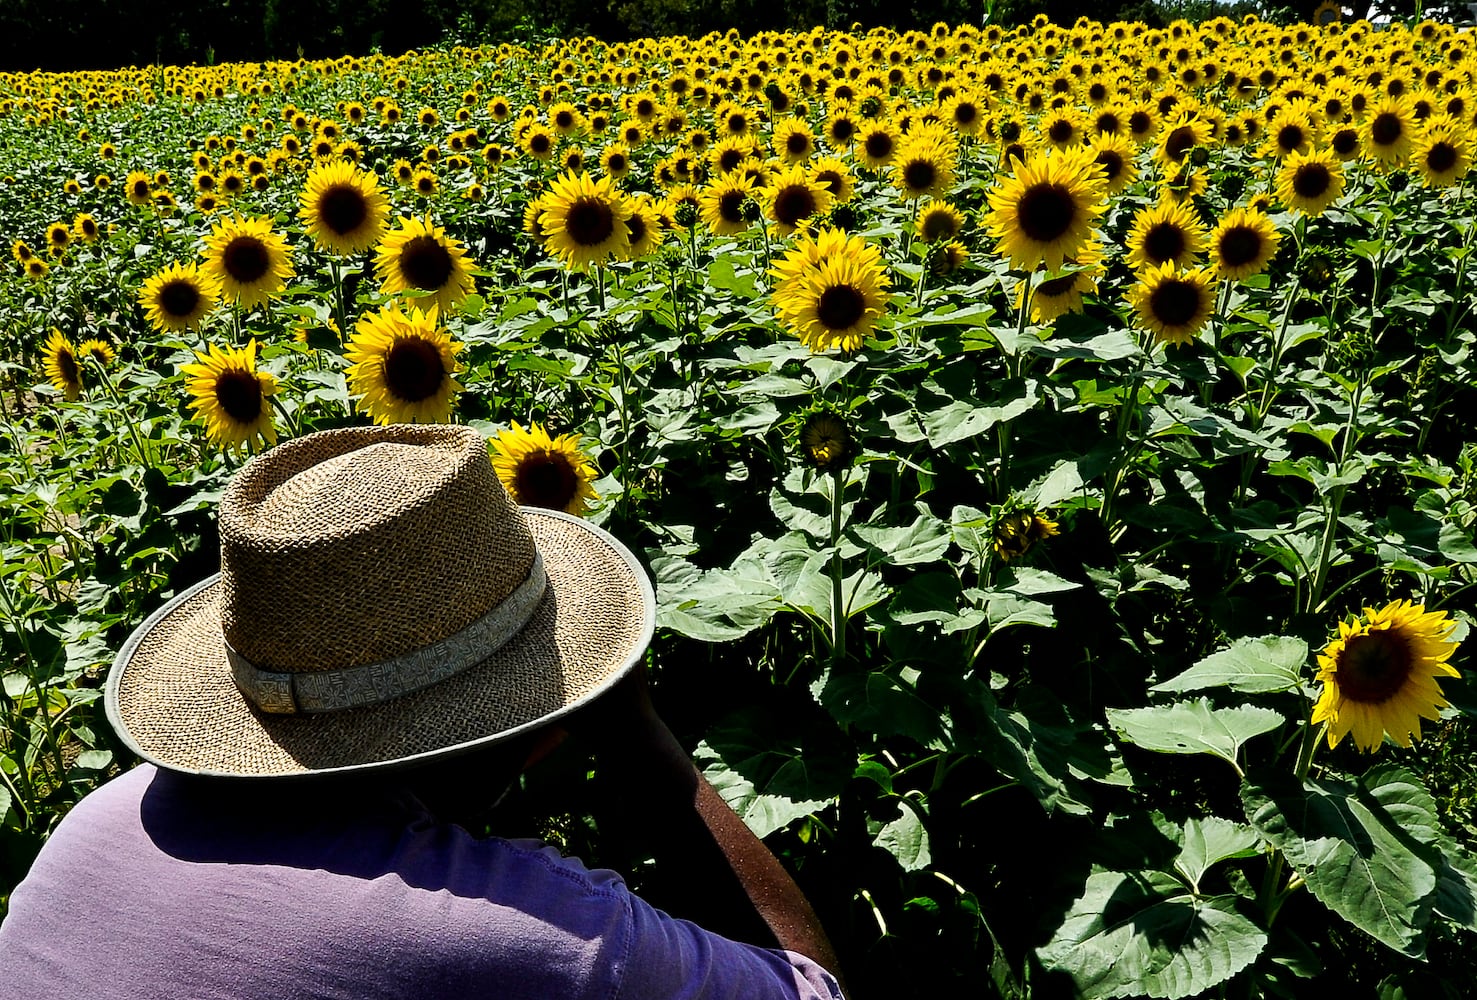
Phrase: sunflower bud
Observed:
(751, 209)
(1398, 181)
(686, 215)
(870, 107)
(1317, 271)
(1199, 156)
(1232, 185)
(825, 440)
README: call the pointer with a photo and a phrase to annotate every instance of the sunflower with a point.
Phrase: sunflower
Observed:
(97, 350)
(540, 471)
(877, 144)
(1389, 125)
(58, 236)
(644, 224)
(1167, 232)
(722, 204)
(1380, 675)
(425, 183)
(344, 208)
(835, 176)
(1179, 136)
(85, 226)
(139, 187)
(615, 160)
(1442, 154)
(1174, 304)
(836, 301)
(1017, 532)
(938, 220)
(946, 258)
(923, 169)
(1243, 243)
(1115, 154)
(178, 297)
(36, 268)
(793, 140)
(793, 196)
(420, 257)
(230, 395)
(63, 368)
(1310, 182)
(1045, 211)
(248, 261)
(584, 221)
(1059, 294)
(825, 440)
(402, 367)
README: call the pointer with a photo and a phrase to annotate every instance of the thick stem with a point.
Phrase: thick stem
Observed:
(838, 597)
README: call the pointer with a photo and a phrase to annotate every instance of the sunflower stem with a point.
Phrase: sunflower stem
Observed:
(1335, 500)
(340, 309)
(290, 419)
(1002, 429)
(138, 444)
(838, 597)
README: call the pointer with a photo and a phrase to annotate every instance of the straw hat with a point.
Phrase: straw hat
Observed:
(381, 600)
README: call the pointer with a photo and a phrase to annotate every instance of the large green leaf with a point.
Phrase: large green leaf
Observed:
(878, 703)
(1210, 840)
(1135, 934)
(925, 540)
(906, 839)
(1193, 727)
(1352, 852)
(1270, 663)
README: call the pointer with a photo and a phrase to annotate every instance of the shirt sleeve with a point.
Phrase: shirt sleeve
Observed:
(673, 959)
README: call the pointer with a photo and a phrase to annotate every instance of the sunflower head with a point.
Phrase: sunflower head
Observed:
(1046, 210)
(583, 220)
(231, 396)
(248, 261)
(343, 207)
(178, 297)
(542, 471)
(1380, 674)
(418, 257)
(63, 366)
(1018, 531)
(825, 439)
(402, 367)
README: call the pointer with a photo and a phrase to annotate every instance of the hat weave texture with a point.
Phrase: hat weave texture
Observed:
(347, 547)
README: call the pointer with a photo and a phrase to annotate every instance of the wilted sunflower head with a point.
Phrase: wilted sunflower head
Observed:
(1017, 531)
(542, 471)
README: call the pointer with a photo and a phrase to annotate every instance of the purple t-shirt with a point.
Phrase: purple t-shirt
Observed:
(146, 889)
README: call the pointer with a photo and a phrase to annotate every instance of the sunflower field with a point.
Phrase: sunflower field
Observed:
(1051, 446)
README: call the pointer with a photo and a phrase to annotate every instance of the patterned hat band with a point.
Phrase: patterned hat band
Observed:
(317, 691)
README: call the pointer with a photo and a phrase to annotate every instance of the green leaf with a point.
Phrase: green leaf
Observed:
(1349, 849)
(4, 806)
(1193, 727)
(94, 760)
(963, 419)
(906, 839)
(878, 703)
(1210, 840)
(1270, 663)
(1139, 934)
(925, 540)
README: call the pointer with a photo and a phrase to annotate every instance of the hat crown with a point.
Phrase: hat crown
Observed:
(355, 546)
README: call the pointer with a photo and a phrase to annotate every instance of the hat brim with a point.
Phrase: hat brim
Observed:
(172, 701)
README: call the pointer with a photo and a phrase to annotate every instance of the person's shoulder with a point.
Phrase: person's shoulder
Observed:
(540, 856)
(118, 797)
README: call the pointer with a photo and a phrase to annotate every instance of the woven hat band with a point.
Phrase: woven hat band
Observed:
(317, 691)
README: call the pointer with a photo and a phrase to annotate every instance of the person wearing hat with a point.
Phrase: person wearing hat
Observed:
(388, 624)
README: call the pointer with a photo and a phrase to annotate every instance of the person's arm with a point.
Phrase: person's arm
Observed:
(722, 877)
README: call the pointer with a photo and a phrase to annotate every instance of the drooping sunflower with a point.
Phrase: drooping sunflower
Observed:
(178, 297)
(584, 220)
(542, 471)
(793, 196)
(1174, 304)
(248, 261)
(403, 367)
(1059, 294)
(1380, 675)
(1017, 532)
(63, 368)
(231, 396)
(344, 208)
(98, 350)
(1179, 136)
(419, 257)
(1243, 243)
(835, 303)
(1045, 211)
(1169, 232)
(825, 439)
(1442, 154)
(1310, 182)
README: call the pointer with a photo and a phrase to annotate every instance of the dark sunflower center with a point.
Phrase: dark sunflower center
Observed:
(729, 159)
(1053, 287)
(830, 180)
(878, 145)
(564, 120)
(232, 184)
(179, 298)
(140, 189)
(797, 143)
(1373, 666)
(589, 222)
(617, 163)
(1046, 212)
(1240, 245)
(1179, 142)
(239, 394)
(840, 307)
(636, 225)
(965, 113)
(1386, 129)
(66, 363)
(539, 143)
(794, 203)
(1108, 123)
(1441, 157)
(1289, 137)
(413, 370)
(731, 206)
(425, 185)
(342, 209)
(246, 259)
(1175, 303)
(425, 263)
(939, 225)
(1165, 241)
(1311, 180)
(1061, 131)
(1345, 141)
(842, 130)
(920, 175)
(545, 479)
